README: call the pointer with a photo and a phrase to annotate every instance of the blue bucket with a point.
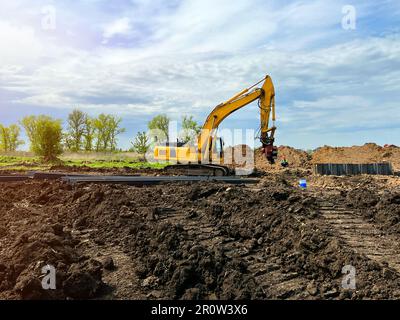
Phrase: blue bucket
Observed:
(303, 183)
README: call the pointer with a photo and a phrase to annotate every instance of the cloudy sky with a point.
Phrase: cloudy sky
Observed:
(337, 78)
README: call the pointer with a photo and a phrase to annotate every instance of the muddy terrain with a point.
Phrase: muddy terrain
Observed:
(203, 240)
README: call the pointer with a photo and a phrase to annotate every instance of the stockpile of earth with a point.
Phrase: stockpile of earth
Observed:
(239, 156)
(242, 155)
(378, 205)
(295, 157)
(368, 153)
(32, 237)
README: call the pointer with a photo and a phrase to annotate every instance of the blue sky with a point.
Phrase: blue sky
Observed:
(137, 58)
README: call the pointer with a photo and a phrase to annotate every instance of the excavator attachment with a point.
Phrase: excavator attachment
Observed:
(271, 153)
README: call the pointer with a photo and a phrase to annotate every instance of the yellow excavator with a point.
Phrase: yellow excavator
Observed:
(207, 157)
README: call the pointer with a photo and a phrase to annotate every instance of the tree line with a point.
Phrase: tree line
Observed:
(48, 139)
(85, 133)
(9, 138)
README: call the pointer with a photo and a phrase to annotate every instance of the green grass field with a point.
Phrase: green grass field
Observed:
(92, 160)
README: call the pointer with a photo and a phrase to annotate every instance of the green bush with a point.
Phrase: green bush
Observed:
(45, 136)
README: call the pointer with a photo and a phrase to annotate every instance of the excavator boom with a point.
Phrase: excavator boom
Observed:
(266, 97)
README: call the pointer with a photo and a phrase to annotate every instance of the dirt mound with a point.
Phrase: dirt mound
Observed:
(368, 153)
(295, 157)
(188, 270)
(381, 207)
(242, 155)
(239, 156)
(31, 240)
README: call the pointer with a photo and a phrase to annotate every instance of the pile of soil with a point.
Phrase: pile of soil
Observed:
(368, 153)
(31, 237)
(182, 241)
(377, 205)
(295, 157)
(239, 156)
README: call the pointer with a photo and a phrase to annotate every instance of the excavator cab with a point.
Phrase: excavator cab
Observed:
(219, 149)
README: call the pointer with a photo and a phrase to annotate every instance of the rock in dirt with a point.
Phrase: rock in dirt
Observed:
(108, 264)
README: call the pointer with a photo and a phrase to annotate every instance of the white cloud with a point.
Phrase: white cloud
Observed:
(120, 26)
(19, 44)
(57, 100)
(333, 103)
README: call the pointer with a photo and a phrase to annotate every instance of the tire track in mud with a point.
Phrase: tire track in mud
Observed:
(361, 236)
(267, 274)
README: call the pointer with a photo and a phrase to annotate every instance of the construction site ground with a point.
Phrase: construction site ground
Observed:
(203, 240)
(207, 240)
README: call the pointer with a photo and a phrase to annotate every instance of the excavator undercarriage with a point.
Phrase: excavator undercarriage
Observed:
(198, 170)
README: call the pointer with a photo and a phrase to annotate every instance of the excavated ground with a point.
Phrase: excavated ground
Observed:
(202, 240)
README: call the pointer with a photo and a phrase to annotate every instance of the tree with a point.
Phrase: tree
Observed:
(3, 138)
(114, 126)
(76, 130)
(14, 140)
(102, 136)
(88, 134)
(160, 124)
(45, 136)
(9, 138)
(190, 129)
(67, 141)
(107, 128)
(141, 144)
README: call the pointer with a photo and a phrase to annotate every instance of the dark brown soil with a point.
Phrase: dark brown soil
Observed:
(85, 170)
(382, 208)
(188, 241)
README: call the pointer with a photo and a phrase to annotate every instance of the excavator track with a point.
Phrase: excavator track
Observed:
(198, 169)
(266, 271)
(360, 235)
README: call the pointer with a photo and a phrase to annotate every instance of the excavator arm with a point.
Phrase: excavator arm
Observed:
(266, 97)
